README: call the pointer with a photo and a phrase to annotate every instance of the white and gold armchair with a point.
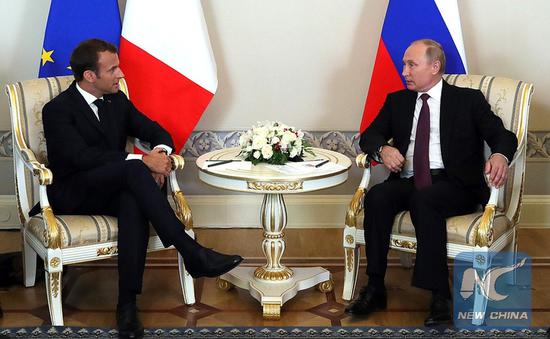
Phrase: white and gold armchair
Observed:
(491, 229)
(65, 239)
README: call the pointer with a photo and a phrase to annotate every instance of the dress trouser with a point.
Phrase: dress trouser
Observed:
(429, 207)
(127, 190)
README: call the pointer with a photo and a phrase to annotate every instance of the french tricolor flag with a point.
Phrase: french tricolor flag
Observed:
(405, 22)
(167, 59)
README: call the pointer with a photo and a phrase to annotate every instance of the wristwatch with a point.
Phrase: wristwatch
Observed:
(377, 156)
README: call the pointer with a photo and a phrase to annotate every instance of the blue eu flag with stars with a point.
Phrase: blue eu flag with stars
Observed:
(71, 22)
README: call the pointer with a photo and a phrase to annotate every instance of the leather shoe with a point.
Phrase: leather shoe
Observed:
(370, 299)
(128, 323)
(440, 311)
(209, 263)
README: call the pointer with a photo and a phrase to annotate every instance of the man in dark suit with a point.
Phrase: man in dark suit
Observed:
(86, 128)
(437, 171)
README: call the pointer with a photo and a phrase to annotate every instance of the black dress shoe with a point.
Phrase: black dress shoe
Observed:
(370, 299)
(128, 323)
(440, 312)
(209, 263)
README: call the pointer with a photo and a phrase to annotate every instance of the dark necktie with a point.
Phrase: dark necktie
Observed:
(421, 156)
(101, 111)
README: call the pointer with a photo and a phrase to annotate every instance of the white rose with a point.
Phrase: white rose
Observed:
(267, 152)
(244, 140)
(258, 142)
(256, 154)
(275, 140)
(293, 152)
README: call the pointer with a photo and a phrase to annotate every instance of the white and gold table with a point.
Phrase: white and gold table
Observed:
(274, 284)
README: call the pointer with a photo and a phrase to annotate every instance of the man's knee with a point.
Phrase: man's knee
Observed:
(378, 196)
(135, 166)
(422, 200)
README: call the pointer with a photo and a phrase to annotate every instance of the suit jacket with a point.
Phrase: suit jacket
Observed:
(466, 121)
(76, 141)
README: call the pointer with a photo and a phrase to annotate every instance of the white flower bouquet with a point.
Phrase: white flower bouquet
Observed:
(273, 142)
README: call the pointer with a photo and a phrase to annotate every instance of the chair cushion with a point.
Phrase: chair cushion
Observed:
(78, 230)
(460, 229)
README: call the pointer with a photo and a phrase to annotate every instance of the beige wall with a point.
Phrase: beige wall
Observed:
(308, 62)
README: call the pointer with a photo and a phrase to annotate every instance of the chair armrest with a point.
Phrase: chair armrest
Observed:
(356, 204)
(183, 211)
(52, 234)
(44, 174)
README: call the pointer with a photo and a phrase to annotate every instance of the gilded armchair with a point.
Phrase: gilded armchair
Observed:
(493, 228)
(65, 239)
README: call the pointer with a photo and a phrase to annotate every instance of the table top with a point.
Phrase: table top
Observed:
(292, 177)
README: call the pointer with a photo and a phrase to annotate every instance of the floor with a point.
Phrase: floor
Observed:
(90, 298)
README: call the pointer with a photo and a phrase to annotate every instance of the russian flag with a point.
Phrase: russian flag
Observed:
(405, 22)
(168, 63)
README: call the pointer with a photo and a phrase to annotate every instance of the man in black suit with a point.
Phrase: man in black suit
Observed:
(437, 171)
(86, 128)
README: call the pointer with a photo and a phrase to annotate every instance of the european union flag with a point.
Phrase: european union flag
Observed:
(71, 22)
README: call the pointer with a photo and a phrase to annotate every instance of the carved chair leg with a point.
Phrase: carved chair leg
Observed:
(405, 258)
(351, 269)
(482, 262)
(511, 253)
(29, 264)
(53, 291)
(186, 282)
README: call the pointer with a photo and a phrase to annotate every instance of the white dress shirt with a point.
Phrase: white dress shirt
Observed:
(90, 98)
(434, 103)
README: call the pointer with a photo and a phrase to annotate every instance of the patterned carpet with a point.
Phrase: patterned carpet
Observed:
(275, 332)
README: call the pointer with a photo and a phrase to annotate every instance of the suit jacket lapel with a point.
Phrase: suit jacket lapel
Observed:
(447, 116)
(408, 111)
(84, 108)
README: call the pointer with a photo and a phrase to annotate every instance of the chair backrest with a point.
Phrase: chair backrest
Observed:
(26, 100)
(510, 100)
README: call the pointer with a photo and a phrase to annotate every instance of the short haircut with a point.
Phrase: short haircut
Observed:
(434, 52)
(85, 56)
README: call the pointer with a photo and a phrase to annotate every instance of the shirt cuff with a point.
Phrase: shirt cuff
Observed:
(168, 149)
(132, 156)
(507, 160)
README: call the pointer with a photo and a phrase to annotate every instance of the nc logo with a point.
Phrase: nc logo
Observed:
(487, 283)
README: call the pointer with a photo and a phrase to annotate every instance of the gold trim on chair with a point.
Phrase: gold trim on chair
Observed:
(52, 235)
(183, 211)
(484, 232)
(355, 207)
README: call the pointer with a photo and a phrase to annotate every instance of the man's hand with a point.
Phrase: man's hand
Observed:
(392, 159)
(158, 162)
(497, 169)
(159, 178)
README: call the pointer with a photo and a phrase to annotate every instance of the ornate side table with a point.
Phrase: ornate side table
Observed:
(273, 284)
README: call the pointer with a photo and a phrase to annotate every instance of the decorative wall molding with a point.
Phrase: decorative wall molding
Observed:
(538, 146)
(9, 217)
(345, 142)
(304, 211)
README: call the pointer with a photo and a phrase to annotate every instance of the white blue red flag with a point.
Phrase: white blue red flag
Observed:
(166, 56)
(405, 22)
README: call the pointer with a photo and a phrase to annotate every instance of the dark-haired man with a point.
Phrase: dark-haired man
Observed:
(438, 169)
(86, 128)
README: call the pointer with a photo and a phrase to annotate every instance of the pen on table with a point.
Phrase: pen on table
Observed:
(321, 163)
(221, 162)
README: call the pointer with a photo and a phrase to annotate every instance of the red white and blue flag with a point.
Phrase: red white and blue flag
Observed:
(167, 59)
(405, 22)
